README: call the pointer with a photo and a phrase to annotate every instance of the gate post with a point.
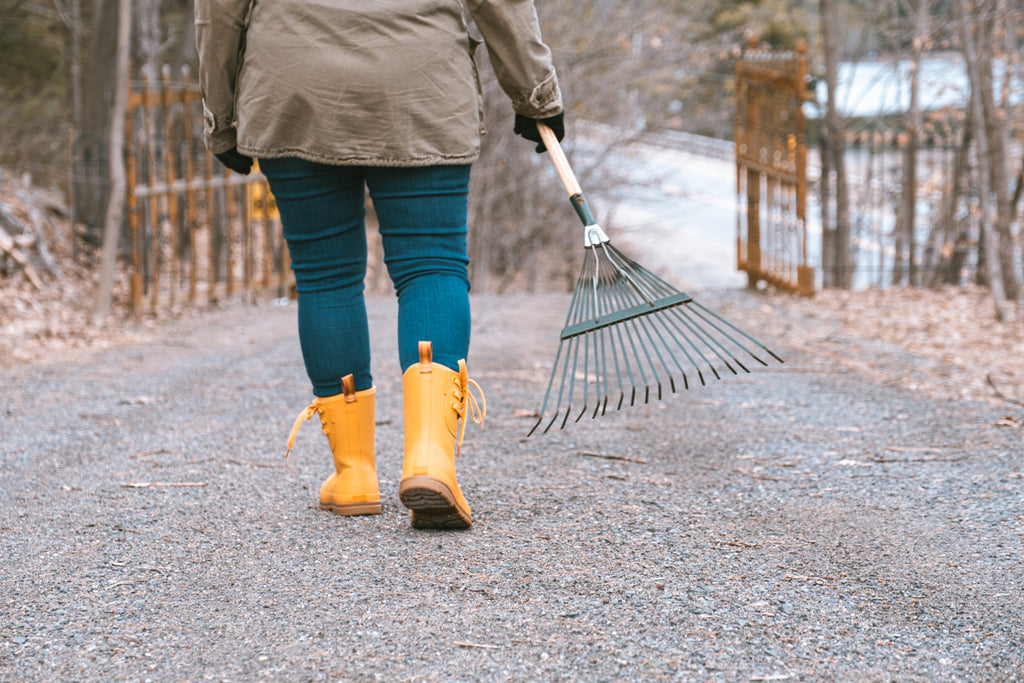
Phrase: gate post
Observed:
(771, 152)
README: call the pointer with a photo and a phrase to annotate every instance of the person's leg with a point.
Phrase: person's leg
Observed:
(322, 209)
(422, 214)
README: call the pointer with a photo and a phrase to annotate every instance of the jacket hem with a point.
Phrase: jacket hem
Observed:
(331, 160)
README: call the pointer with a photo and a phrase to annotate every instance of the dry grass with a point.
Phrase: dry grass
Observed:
(945, 343)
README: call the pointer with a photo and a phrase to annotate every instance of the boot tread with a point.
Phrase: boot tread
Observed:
(432, 503)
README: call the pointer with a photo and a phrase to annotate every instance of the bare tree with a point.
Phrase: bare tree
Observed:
(979, 72)
(116, 199)
(91, 186)
(836, 228)
(1000, 43)
(908, 207)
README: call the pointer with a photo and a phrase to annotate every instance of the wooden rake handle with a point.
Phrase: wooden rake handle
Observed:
(593, 234)
(572, 186)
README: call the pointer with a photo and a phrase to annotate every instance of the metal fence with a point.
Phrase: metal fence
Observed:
(196, 231)
(942, 244)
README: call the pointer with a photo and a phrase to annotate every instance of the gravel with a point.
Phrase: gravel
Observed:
(805, 522)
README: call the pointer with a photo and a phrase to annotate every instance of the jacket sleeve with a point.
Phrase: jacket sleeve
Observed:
(521, 60)
(220, 39)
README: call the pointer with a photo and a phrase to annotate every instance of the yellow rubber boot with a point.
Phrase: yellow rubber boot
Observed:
(436, 400)
(349, 421)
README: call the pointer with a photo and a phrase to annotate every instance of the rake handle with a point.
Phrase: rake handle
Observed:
(572, 186)
(594, 234)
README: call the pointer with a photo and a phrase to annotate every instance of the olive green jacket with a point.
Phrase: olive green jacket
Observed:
(364, 82)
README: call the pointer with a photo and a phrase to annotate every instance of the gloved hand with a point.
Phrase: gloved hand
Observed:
(236, 161)
(527, 127)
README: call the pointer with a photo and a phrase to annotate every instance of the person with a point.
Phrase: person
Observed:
(339, 99)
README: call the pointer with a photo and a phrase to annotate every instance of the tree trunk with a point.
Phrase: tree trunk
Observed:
(91, 181)
(954, 237)
(75, 62)
(835, 149)
(973, 56)
(996, 117)
(828, 231)
(115, 204)
(908, 214)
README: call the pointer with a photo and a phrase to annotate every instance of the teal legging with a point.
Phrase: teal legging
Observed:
(422, 216)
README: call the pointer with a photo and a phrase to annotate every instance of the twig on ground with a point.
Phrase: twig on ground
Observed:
(478, 645)
(1000, 394)
(624, 458)
(163, 484)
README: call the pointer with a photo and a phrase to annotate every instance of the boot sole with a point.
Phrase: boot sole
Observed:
(351, 509)
(432, 503)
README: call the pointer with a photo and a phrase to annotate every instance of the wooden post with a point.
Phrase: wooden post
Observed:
(171, 173)
(211, 246)
(190, 192)
(134, 269)
(153, 202)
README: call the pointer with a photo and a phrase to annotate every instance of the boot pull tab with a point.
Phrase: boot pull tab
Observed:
(304, 416)
(348, 388)
(426, 356)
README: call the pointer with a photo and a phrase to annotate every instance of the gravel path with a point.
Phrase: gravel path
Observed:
(800, 523)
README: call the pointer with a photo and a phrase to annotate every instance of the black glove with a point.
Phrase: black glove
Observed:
(527, 127)
(236, 161)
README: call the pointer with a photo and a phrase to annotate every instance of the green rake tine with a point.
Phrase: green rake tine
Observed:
(570, 376)
(606, 346)
(547, 394)
(709, 342)
(574, 304)
(623, 297)
(662, 285)
(710, 317)
(689, 358)
(626, 333)
(561, 389)
(578, 295)
(626, 364)
(572, 382)
(572, 351)
(657, 350)
(680, 314)
(588, 306)
(618, 368)
(598, 374)
(638, 328)
(577, 304)
(586, 364)
(741, 332)
(659, 286)
(601, 347)
(618, 295)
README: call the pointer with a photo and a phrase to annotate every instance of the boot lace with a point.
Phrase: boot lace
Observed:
(464, 399)
(304, 416)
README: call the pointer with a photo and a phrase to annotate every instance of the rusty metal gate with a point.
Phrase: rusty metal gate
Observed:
(196, 231)
(771, 169)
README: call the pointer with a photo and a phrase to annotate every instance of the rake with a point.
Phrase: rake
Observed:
(629, 336)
